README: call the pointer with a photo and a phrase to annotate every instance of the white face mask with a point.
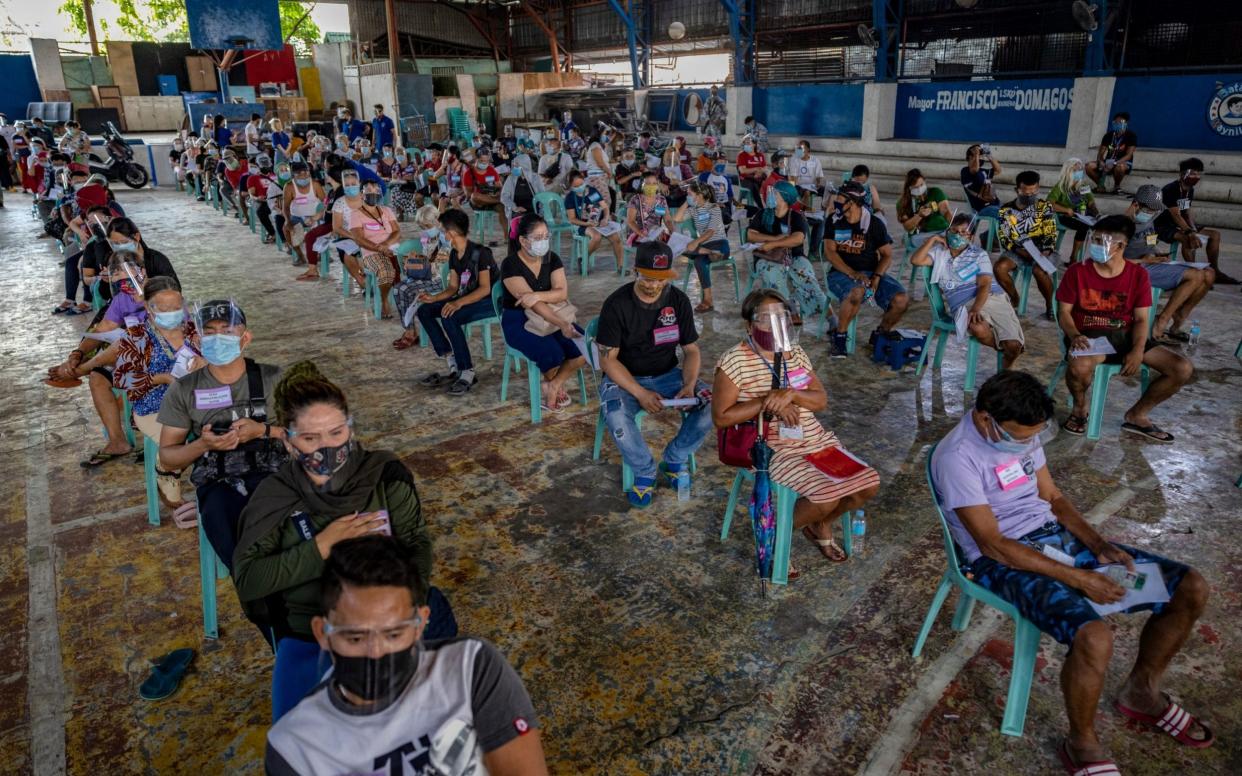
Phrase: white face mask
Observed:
(919, 191)
(539, 247)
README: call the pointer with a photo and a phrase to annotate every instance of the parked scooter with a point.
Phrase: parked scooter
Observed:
(120, 165)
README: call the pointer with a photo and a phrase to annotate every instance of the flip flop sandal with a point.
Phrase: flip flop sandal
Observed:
(404, 343)
(1092, 768)
(166, 674)
(461, 387)
(703, 307)
(563, 400)
(1177, 336)
(825, 546)
(1074, 425)
(1152, 432)
(1175, 721)
(62, 382)
(99, 457)
(61, 310)
(435, 379)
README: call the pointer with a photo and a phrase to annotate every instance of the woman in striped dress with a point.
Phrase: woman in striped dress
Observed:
(743, 389)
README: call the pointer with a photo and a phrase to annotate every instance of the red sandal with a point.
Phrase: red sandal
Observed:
(1175, 721)
(1091, 768)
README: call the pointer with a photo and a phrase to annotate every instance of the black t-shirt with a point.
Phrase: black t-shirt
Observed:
(647, 336)
(1117, 143)
(792, 222)
(1173, 196)
(974, 182)
(523, 194)
(95, 258)
(477, 259)
(514, 267)
(859, 249)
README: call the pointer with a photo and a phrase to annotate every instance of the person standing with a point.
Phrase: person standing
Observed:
(383, 130)
(715, 111)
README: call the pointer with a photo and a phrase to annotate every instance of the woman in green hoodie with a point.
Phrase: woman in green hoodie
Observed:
(331, 489)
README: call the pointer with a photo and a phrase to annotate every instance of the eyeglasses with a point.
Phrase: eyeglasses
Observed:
(399, 633)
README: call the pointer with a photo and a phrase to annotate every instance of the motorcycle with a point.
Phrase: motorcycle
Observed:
(120, 165)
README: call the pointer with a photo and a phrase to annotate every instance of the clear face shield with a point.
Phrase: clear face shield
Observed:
(1100, 245)
(127, 275)
(772, 329)
(373, 662)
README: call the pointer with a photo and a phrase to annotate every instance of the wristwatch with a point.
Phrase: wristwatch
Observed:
(267, 430)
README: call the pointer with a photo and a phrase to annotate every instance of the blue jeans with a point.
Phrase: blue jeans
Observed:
(703, 264)
(301, 665)
(620, 407)
(446, 334)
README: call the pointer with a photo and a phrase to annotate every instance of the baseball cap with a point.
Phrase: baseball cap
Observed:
(654, 259)
(221, 310)
(709, 142)
(1148, 196)
(853, 190)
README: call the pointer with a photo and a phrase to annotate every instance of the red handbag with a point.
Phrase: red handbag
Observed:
(734, 444)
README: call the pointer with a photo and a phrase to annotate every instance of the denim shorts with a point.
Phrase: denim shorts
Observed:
(1053, 606)
(841, 284)
(1166, 275)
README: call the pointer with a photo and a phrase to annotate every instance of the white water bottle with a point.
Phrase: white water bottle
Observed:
(1194, 332)
(858, 527)
(683, 485)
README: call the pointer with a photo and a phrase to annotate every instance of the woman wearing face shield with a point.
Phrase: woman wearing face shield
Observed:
(348, 201)
(744, 389)
(535, 319)
(518, 194)
(302, 205)
(421, 274)
(331, 489)
(149, 358)
(375, 229)
(404, 182)
(648, 215)
(780, 260)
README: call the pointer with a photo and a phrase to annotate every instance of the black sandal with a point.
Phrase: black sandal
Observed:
(1074, 425)
(435, 379)
(462, 387)
(1152, 432)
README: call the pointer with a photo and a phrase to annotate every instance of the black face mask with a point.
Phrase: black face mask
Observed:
(371, 198)
(1025, 200)
(375, 678)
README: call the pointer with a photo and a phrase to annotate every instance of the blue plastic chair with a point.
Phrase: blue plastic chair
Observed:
(1026, 636)
(210, 570)
(371, 295)
(516, 359)
(730, 262)
(486, 323)
(942, 327)
(252, 207)
(785, 499)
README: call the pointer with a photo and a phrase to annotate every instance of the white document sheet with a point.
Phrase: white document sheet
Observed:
(677, 243)
(1153, 592)
(1040, 259)
(1100, 346)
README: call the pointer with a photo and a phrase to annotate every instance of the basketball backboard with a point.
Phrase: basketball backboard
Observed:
(234, 24)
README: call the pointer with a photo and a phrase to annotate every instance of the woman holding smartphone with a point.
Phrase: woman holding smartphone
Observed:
(331, 489)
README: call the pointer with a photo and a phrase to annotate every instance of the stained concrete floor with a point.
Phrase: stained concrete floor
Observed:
(641, 636)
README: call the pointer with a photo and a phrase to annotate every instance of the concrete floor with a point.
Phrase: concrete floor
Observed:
(640, 635)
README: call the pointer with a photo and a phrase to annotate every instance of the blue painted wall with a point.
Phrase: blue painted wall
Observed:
(20, 86)
(1193, 111)
(815, 110)
(1033, 111)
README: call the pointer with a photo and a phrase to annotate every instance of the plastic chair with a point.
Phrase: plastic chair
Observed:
(371, 295)
(1026, 635)
(551, 207)
(730, 262)
(252, 206)
(993, 225)
(481, 220)
(486, 323)
(942, 326)
(517, 360)
(210, 570)
(785, 499)
(150, 454)
(851, 331)
(582, 254)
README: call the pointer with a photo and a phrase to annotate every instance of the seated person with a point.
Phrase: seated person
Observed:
(982, 167)
(628, 174)
(224, 406)
(752, 169)
(1071, 197)
(648, 215)
(710, 242)
(1115, 156)
(468, 298)
(585, 209)
(276, 571)
(521, 187)
(744, 389)
(922, 210)
(421, 275)
(722, 186)
(1110, 297)
(536, 317)
(302, 204)
(124, 237)
(641, 325)
(706, 159)
(963, 273)
(1027, 217)
(348, 200)
(150, 358)
(482, 184)
(860, 251)
(375, 231)
(1020, 537)
(861, 174)
(398, 700)
(1177, 222)
(231, 181)
(779, 172)
(1187, 284)
(781, 259)
(555, 166)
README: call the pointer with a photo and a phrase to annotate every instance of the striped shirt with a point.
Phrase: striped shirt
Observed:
(752, 374)
(707, 217)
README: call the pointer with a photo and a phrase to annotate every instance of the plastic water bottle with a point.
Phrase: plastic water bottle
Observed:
(683, 485)
(859, 528)
(1194, 333)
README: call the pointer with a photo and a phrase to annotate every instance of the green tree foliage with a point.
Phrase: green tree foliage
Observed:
(164, 21)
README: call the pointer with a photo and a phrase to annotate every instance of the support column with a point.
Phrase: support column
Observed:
(742, 30)
(879, 112)
(740, 102)
(394, 60)
(1090, 113)
(1095, 62)
(640, 50)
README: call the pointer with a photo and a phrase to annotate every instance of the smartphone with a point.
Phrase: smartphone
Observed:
(384, 527)
(221, 427)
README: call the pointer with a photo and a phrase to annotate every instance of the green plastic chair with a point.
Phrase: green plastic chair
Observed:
(730, 262)
(1026, 635)
(516, 359)
(942, 327)
(486, 323)
(150, 454)
(483, 219)
(785, 499)
(210, 570)
(371, 295)
(252, 206)
(851, 331)
(551, 207)
(582, 254)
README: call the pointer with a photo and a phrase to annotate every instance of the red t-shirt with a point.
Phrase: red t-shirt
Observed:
(485, 181)
(256, 184)
(750, 160)
(234, 176)
(1104, 304)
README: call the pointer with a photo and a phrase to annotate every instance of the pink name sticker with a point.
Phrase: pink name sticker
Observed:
(799, 378)
(213, 398)
(1010, 475)
(371, 226)
(667, 335)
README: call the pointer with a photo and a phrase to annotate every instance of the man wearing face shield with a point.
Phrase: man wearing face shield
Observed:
(398, 700)
(1177, 222)
(641, 326)
(555, 166)
(1107, 297)
(224, 406)
(1023, 539)
(482, 184)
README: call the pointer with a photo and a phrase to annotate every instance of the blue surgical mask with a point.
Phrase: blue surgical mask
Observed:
(719, 169)
(580, 189)
(1143, 217)
(168, 320)
(1119, 126)
(1098, 252)
(1078, 174)
(1007, 444)
(221, 349)
(748, 148)
(770, 200)
(118, 247)
(352, 191)
(957, 241)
